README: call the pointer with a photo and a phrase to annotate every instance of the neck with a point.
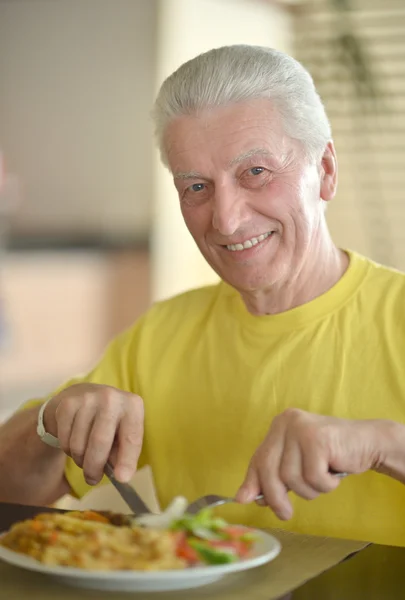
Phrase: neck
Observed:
(320, 269)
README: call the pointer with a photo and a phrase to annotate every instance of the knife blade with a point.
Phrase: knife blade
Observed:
(127, 492)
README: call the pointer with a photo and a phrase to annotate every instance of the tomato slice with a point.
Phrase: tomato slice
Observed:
(183, 548)
(236, 531)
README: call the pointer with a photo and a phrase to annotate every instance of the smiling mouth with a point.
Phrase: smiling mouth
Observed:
(248, 243)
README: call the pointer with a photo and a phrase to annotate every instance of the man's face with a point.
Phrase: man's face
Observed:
(249, 196)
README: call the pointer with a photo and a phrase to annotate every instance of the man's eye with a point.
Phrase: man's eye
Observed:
(196, 187)
(256, 170)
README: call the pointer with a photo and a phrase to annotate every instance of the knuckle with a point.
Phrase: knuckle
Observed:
(288, 417)
(98, 439)
(110, 399)
(66, 407)
(293, 413)
(277, 419)
(132, 438)
(136, 403)
(87, 399)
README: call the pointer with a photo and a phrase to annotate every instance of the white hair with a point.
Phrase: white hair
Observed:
(231, 74)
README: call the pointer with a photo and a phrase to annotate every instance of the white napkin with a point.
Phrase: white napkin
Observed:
(106, 497)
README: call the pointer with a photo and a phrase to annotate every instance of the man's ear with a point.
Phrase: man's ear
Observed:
(329, 170)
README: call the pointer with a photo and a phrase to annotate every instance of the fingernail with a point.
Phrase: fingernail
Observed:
(91, 481)
(243, 495)
(285, 514)
(124, 474)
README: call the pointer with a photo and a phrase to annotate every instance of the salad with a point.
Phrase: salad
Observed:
(201, 538)
(204, 538)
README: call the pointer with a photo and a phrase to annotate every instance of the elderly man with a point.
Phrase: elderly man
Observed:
(290, 369)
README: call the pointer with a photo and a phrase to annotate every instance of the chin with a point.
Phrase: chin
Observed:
(252, 278)
(249, 282)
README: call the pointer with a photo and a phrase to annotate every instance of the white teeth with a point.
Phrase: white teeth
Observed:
(249, 243)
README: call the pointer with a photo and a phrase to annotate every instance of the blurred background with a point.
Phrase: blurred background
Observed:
(90, 229)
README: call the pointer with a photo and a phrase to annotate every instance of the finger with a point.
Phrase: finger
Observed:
(65, 416)
(80, 432)
(291, 472)
(316, 471)
(112, 459)
(250, 487)
(275, 493)
(99, 445)
(130, 439)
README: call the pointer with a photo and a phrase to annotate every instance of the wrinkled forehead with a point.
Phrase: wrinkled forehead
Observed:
(226, 136)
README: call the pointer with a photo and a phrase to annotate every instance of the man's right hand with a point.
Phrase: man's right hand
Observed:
(95, 423)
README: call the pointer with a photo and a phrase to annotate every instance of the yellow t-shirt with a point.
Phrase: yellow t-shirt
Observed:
(213, 377)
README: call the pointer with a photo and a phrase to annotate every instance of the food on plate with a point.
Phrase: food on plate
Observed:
(107, 541)
(104, 516)
(163, 520)
(204, 538)
(90, 543)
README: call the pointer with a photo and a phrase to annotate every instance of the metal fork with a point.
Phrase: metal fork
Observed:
(213, 500)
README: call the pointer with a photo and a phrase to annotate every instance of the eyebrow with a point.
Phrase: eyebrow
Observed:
(235, 161)
(188, 175)
(245, 155)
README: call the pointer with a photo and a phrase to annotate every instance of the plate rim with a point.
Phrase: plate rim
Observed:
(272, 549)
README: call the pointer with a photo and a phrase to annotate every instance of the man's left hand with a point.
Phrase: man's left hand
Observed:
(300, 451)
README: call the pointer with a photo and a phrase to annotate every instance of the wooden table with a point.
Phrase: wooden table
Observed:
(373, 573)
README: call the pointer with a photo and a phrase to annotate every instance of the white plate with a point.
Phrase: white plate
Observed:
(266, 549)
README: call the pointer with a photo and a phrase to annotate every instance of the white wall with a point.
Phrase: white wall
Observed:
(77, 82)
(76, 85)
(185, 29)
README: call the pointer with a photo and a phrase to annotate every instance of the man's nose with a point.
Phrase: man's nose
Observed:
(227, 212)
